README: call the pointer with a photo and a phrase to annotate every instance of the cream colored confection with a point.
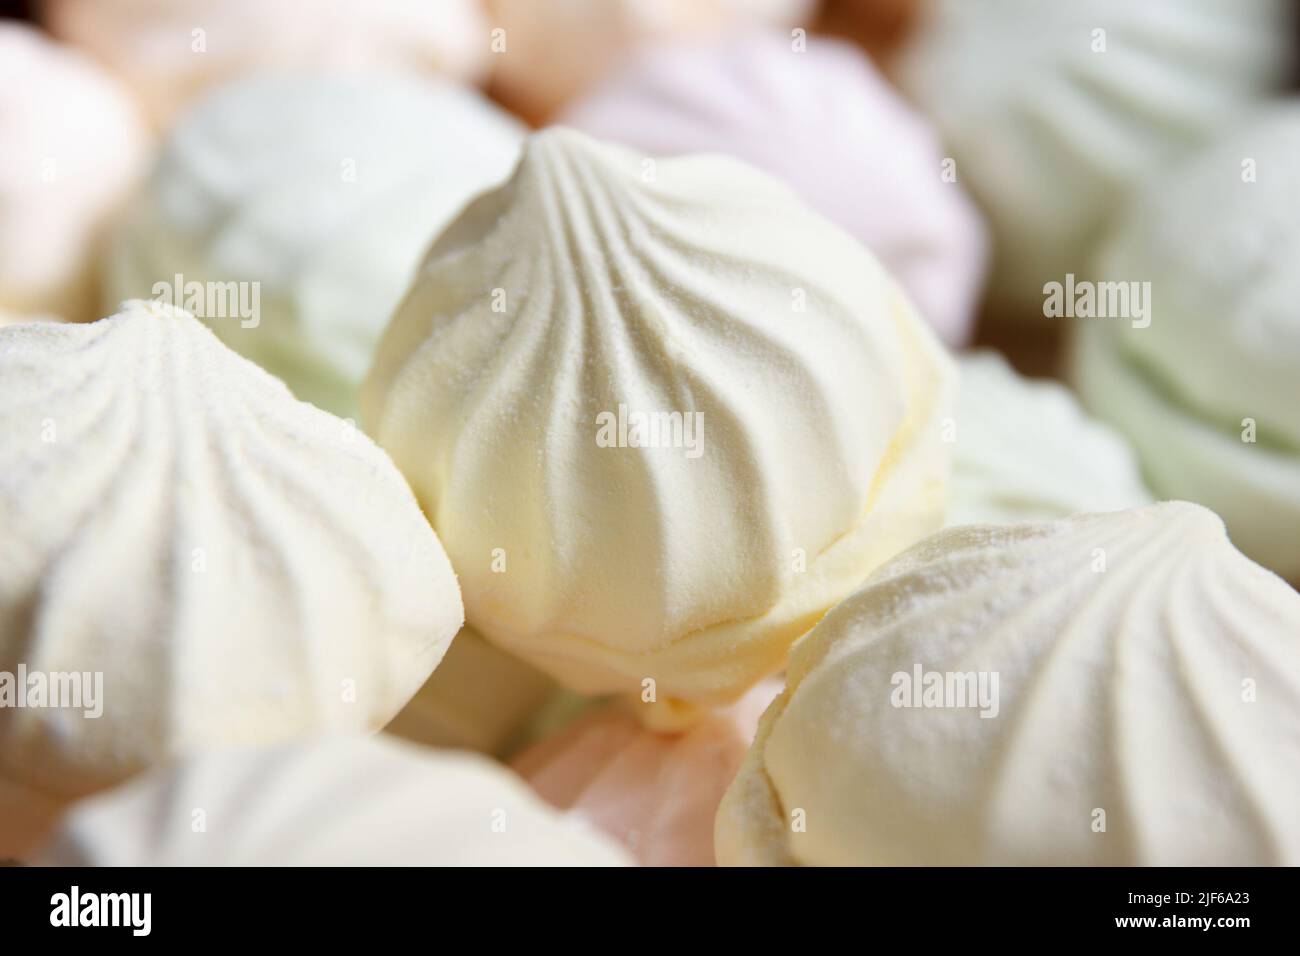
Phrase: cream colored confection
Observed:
(347, 801)
(1111, 689)
(72, 147)
(236, 567)
(819, 117)
(1023, 450)
(662, 417)
(1209, 390)
(170, 51)
(1055, 111)
(546, 52)
(480, 698)
(316, 196)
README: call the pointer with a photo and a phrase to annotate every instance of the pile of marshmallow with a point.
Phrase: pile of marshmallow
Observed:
(526, 432)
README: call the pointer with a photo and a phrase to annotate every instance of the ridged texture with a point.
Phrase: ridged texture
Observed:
(1121, 690)
(72, 146)
(1023, 450)
(820, 434)
(324, 190)
(557, 49)
(156, 45)
(348, 801)
(655, 793)
(1051, 137)
(241, 567)
(1223, 259)
(1255, 488)
(826, 123)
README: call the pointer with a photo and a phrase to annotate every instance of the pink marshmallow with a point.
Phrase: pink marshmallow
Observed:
(655, 793)
(830, 126)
